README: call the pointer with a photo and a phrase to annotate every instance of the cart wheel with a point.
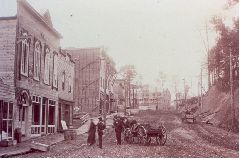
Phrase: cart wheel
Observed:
(128, 137)
(148, 140)
(142, 136)
(162, 138)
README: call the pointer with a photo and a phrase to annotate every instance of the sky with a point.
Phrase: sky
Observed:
(153, 35)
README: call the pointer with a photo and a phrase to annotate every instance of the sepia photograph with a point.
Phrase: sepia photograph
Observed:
(119, 78)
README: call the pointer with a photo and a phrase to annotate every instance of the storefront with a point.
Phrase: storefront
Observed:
(65, 112)
(6, 120)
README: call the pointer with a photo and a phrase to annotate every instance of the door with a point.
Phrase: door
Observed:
(23, 119)
(67, 114)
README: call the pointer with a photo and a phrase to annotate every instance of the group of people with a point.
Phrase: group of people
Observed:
(118, 124)
(92, 132)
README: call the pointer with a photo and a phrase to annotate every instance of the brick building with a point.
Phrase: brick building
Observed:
(91, 65)
(65, 88)
(29, 53)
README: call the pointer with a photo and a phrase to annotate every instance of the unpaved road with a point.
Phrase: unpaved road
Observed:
(184, 140)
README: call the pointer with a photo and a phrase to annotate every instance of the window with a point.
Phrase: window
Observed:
(24, 56)
(36, 60)
(6, 120)
(63, 80)
(51, 114)
(55, 65)
(69, 84)
(36, 110)
(47, 66)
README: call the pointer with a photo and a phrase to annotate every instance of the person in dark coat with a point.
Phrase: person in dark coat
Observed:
(91, 133)
(100, 127)
(118, 125)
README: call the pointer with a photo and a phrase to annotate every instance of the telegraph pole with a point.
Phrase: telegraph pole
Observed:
(201, 106)
(231, 91)
(209, 82)
(105, 92)
(125, 92)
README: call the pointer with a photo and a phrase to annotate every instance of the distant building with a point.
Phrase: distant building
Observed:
(92, 67)
(120, 96)
(155, 100)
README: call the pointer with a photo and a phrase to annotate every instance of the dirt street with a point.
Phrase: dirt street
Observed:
(184, 140)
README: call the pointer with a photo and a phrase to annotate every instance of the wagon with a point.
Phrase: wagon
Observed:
(131, 133)
(146, 133)
(143, 134)
(188, 117)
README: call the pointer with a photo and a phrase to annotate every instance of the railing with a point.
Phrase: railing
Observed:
(51, 129)
(38, 129)
(84, 118)
(35, 129)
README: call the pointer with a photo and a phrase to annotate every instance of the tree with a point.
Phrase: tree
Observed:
(227, 41)
(129, 73)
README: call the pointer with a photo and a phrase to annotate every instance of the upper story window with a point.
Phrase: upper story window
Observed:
(24, 55)
(47, 66)
(36, 60)
(55, 68)
(63, 80)
(69, 84)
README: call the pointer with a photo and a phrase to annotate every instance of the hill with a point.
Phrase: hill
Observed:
(217, 109)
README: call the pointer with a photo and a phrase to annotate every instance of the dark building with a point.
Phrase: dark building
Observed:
(94, 71)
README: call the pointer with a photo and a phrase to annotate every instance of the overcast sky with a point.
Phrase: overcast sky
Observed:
(153, 35)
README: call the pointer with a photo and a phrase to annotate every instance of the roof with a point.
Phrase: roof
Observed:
(8, 18)
(45, 18)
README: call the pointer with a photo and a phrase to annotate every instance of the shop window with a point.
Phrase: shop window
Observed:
(6, 115)
(35, 113)
(36, 110)
(51, 114)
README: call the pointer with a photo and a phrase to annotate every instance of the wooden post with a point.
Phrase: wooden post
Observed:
(231, 91)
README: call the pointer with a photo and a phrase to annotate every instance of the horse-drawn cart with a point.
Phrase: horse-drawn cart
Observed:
(143, 134)
(146, 132)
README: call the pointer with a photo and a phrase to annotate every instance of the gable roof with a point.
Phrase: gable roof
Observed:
(46, 18)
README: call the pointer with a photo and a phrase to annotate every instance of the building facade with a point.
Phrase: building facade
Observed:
(29, 76)
(94, 76)
(65, 88)
(155, 100)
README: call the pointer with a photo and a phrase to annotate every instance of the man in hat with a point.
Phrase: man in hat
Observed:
(118, 125)
(100, 127)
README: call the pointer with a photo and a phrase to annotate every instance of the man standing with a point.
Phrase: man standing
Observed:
(118, 124)
(100, 127)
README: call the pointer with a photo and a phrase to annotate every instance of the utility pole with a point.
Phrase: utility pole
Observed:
(105, 91)
(125, 92)
(176, 93)
(231, 90)
(133, 98)
(201, 106)
(209, 82)
(184, 90)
